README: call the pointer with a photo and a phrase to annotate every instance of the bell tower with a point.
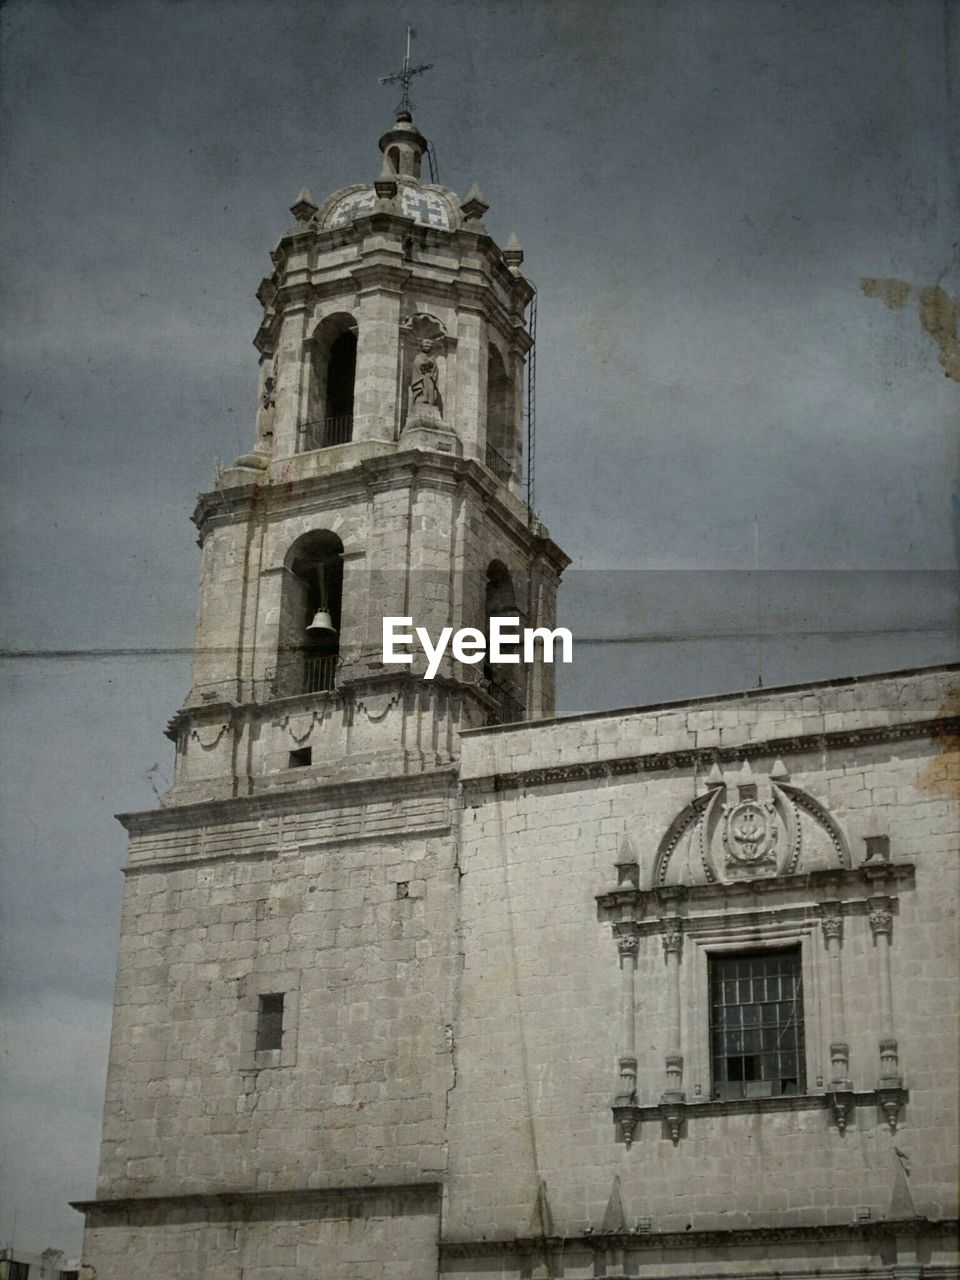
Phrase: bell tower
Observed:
(384, 479)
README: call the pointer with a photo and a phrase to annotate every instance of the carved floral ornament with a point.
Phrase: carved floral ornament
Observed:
(881, 921)
(627, 939)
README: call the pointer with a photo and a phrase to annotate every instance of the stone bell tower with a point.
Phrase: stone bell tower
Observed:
(384, 480)
(282, 1044)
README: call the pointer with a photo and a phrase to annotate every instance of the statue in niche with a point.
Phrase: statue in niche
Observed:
(425, 379)
(424, 344)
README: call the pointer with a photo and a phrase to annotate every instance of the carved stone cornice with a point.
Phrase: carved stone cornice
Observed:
(348, 692)
(379, 466)
(707, 904)
(208, 813)
(654, 761)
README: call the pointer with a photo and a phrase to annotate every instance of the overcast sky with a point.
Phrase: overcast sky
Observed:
(702, 187)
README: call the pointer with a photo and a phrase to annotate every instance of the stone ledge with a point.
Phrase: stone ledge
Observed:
(712, 1239)
(388, 1201)
(267, 803)
(676, 1115)
(869, 878)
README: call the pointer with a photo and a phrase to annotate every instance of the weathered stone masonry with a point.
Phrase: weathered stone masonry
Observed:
(417, 981)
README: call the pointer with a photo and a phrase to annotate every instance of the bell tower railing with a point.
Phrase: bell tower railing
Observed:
(323, 433)
(498, 464)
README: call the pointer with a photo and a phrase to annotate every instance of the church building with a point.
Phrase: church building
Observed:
(418, 980)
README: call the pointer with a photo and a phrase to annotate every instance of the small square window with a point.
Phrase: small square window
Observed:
(756, 1024)
(270, 1023)
(301, 758)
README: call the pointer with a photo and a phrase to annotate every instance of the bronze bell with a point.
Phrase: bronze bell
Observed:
(322, 625)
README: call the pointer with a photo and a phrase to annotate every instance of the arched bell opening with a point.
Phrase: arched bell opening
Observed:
(310, 615)
(505, 684)
(333, 373)
(501, 427)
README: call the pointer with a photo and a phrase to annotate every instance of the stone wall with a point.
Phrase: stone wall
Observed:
(448, 949)
(548, 810)
(381, 1234)
(347, 905)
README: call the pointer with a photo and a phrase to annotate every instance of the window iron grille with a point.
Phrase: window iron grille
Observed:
(756, 1024)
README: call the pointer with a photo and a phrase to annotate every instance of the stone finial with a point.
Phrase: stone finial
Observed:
(901, 1201)
(474, 207)
(386, 184)
(715, 776)
(628, 867)
(513, 254)
(304, 207)
(614, 1218)
(779, 772)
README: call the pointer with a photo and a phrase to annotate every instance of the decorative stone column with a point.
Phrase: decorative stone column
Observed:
(628, 945)
(890, 1085)
(841, 1090)
(672, 1100)
(672, 939)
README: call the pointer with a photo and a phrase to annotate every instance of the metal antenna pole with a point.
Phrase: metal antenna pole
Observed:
(532, 411)
(756, 566)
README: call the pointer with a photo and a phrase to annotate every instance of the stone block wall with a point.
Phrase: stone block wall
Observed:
(347, 905)
(365, 1234)
(546, 811)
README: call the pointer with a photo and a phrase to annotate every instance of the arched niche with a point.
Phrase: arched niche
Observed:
(333, 372)
(501, 450)
(421, 332)
(312, 583)
(505, 684)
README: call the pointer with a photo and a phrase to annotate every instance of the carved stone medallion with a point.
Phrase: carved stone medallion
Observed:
(750, 835)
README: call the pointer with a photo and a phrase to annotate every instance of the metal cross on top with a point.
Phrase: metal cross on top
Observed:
(404, 75)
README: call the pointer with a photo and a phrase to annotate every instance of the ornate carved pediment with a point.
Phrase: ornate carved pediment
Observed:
(748, 826)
